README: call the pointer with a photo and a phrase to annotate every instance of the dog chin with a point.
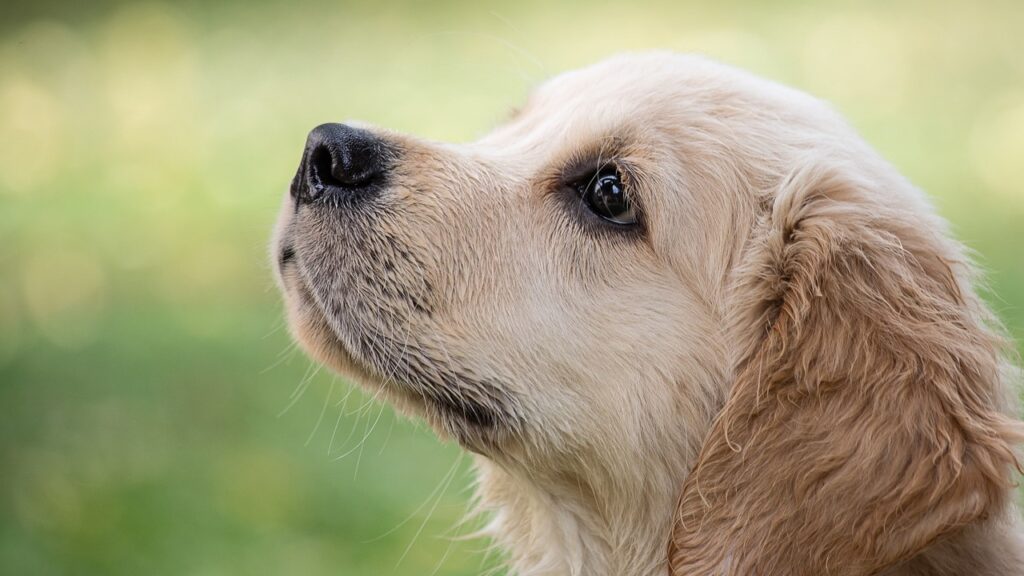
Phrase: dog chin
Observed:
(475, 427)
(314, 334)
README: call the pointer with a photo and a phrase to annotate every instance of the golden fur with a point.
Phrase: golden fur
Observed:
(785, 370)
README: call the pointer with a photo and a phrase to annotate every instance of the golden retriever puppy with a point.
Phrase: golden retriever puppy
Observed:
(685, 318)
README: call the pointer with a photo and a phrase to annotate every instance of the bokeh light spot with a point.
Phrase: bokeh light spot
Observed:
(65, 294)
(997, 150)
(31, 138)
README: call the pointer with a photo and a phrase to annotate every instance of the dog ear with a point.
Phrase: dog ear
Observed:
(866, 418)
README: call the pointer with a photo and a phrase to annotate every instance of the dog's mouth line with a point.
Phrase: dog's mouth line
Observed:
(305, 292)
(481, 403)
(365, 368)
(286, 256)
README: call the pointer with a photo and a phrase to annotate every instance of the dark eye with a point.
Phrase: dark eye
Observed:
(605, 195)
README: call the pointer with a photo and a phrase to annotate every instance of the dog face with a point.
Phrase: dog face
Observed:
(660, 265)
(548, 286)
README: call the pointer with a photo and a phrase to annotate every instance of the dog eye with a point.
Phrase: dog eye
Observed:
(605, 195)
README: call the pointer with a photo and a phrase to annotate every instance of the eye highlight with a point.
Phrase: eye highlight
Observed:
(605, 195)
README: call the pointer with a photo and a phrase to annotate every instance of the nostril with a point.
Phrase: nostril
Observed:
(321, 170)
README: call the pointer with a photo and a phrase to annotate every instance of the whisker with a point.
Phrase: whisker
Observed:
(283, 356)
(430, 514)
(327, 400)
(423, 505)
(301, 388)
(366, 435)
(391, 428)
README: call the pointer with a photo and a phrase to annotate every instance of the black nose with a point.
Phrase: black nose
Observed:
(341, 161)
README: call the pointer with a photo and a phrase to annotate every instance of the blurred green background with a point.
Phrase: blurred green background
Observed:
(154, 418)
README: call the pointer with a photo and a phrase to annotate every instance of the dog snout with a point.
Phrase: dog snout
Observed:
(341, 161)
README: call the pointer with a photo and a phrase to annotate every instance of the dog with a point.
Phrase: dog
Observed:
(687, 321)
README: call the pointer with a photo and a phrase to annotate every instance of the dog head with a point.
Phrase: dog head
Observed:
(663, 269)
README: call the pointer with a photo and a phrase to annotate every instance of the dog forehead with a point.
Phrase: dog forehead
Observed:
(649, 97)
(617, 94)
(619, 86)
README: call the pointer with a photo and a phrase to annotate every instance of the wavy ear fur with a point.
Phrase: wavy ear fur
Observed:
(867, 418)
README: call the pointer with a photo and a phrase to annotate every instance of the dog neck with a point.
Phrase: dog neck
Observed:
(564, 526)
(604, 509)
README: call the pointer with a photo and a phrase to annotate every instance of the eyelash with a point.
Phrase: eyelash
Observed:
(573, 181)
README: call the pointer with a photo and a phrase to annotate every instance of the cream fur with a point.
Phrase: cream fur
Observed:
(792, 323)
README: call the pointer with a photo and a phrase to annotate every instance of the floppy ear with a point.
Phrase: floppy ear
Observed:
(866, 418)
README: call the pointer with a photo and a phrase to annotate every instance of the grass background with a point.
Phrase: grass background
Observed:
(154, 418)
